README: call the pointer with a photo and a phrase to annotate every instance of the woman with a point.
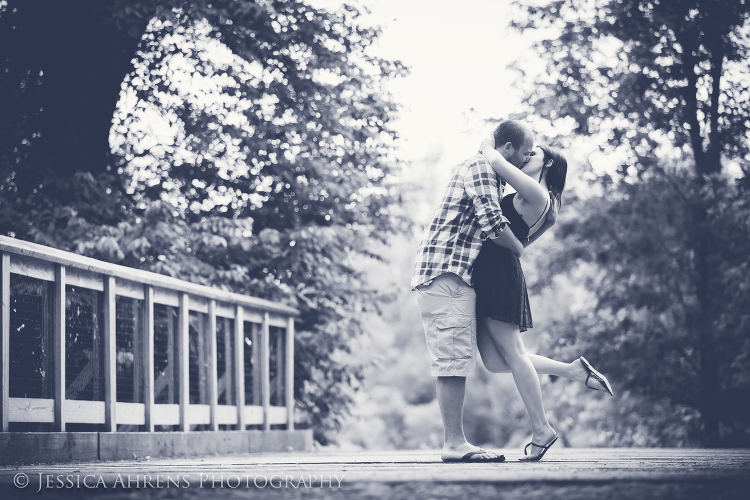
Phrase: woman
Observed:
(502, 301)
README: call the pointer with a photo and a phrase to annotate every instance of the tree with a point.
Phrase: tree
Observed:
(663, 83)
(276, 164)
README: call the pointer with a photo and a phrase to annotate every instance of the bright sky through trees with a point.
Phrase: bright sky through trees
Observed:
(457, 55)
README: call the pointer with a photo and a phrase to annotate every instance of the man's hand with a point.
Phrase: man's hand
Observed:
(508, 240)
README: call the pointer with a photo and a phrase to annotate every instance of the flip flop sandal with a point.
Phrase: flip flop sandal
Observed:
(468, 458)
(598, 376)
(536, 458)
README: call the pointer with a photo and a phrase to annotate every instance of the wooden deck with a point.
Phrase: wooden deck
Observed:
(565, 473)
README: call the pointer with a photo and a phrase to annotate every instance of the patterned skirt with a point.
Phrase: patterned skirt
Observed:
(501, 287)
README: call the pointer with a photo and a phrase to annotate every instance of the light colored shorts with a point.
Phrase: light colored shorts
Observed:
(448, 312)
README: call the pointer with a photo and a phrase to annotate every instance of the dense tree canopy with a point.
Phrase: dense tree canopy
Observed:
(663, 244)
(242, 144)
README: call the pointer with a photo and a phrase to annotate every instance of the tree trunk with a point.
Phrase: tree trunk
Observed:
(83, 58)
(710, 401)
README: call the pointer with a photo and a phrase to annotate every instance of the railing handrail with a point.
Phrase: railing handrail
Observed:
(34, 250)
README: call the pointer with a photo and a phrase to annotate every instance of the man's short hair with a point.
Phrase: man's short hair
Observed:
(511, 131)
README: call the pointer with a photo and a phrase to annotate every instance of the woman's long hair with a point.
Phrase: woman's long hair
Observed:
(556, 174)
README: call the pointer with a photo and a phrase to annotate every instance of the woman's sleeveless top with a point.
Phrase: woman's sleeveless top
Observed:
(517, 224)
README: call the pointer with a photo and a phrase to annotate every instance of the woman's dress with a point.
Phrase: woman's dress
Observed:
(498, 277)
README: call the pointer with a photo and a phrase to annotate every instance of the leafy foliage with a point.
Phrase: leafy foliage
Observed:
(248, 147)
(663, 245)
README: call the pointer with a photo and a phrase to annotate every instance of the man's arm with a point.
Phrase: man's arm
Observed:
(480, 184)
(508, 240)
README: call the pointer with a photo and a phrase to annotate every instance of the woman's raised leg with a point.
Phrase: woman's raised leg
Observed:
(495, 362)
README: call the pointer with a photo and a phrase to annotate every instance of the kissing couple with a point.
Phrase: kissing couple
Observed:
(471, 289)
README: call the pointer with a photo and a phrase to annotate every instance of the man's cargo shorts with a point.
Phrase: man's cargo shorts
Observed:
(447, 305)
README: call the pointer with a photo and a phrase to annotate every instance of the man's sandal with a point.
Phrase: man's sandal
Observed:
(538, 456)
(468, 458)
(598, 376)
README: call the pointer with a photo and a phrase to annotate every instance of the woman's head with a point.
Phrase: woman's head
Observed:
(550, 162)
(558, 170)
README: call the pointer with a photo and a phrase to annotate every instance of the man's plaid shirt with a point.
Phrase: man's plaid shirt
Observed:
(468, 214)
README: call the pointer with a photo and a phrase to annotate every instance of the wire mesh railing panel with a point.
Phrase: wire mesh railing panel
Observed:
(31, 358)
(84, 344)
(199, 355)
(276, 342)
(252, 363)
(129, 346)
(225, 361)
(166, 359)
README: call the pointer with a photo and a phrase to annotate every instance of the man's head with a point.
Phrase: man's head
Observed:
(515, 141)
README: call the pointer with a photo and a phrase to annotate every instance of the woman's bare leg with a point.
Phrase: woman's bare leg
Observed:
(507, 339)
(495, 362)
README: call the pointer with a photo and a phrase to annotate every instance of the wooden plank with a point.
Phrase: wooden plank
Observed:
(280, 367)
(289, 375)
(53, 255)
(277, 415)
(225, 310)
(228, 375)
(46, 447)
(199, 415)
(252, 316)
(33, 268)
(265, 373)
(226, 415)
(172, 365)
(253, 415)
(58, 348)
(166, 297)
(213, 387)
(147, 359)
(202, 357)
(84, 279)
(110, 355)
(199, 304)
(273, 319)
(166, 414)
(84, 412)
(183, 342)
(131, 413)
(257, 364)
(31, 410)
(4, 342)
(276, 320)
(239, 364)
(131, 289)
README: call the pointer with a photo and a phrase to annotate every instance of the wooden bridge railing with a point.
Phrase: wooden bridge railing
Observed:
(89, 345)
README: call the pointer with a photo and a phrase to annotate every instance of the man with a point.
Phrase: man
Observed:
(468, 214)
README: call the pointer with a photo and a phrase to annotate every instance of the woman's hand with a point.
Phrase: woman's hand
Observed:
(487, 145)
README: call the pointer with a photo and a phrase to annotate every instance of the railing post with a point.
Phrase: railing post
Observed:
(213, 389)
(183, 325)
(5, 344)
(265, 372)
(110, 355)
(239, 363)
(58, 347)
(147, 361)
(289, 375)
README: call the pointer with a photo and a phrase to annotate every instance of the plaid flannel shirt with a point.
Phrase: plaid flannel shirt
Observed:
(468, 214)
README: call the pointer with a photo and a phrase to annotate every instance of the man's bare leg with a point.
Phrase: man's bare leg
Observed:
(450, 393)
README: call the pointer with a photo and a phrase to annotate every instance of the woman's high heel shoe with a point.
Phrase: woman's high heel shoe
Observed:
(598, 376)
